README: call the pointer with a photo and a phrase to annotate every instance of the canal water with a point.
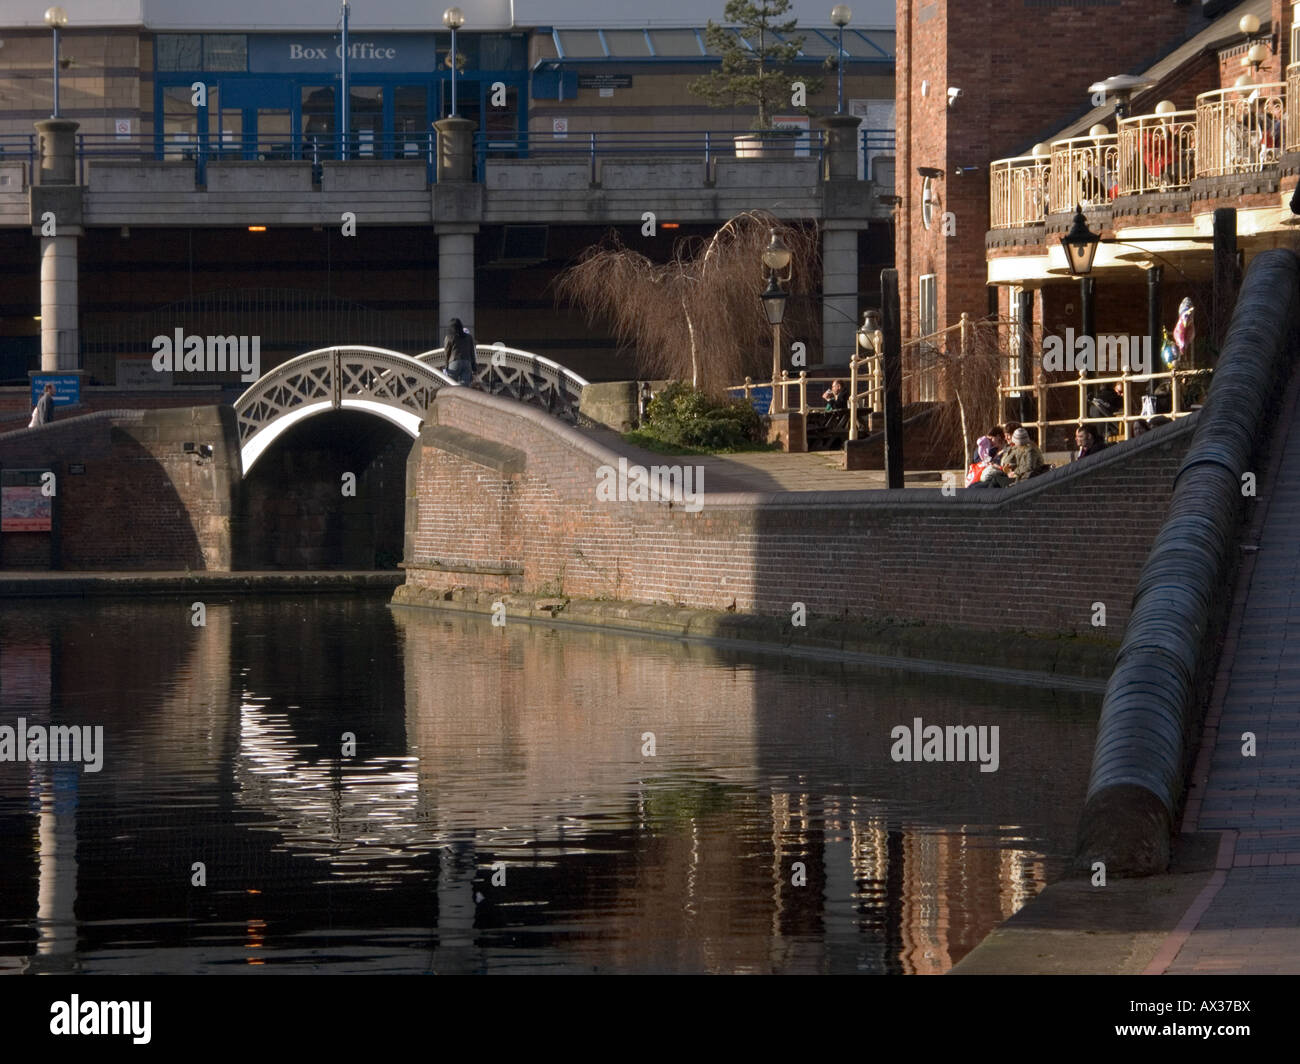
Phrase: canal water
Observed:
(331, 784)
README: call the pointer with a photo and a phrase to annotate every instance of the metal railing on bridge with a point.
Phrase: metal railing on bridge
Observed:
(198, 150)
(520, 375)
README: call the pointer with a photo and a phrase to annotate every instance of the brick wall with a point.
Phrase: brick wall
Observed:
(1018, 88)
(1034, 557)
(139, 502)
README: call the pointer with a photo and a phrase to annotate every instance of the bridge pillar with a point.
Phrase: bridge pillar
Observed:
(56, 216)
(840, 285)
(456, 273)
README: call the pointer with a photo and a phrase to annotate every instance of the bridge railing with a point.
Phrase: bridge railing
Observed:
(521, 375)
(200, 149)
(20, 147)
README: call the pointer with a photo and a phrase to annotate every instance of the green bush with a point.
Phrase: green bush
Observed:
(685, 416)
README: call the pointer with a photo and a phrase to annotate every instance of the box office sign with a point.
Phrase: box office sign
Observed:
(385, 53)
(26, 503)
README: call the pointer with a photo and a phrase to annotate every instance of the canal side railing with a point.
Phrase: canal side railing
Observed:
(1151, 710)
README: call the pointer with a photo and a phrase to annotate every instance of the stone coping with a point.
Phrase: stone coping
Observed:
(864, 498)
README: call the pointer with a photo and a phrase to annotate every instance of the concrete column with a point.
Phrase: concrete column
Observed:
(60, 343)
(840, 318)
(58, 151)
(840, 162)
(56, 209)
(456, 274)
(455, 149)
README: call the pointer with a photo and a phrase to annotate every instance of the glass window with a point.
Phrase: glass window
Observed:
(180, 120)
(225, 127)
(675, 42)
(630, 43)
(367, 119)
(178, 51)
(582, 43)
(710, 51)
(816, 46)
(318, 112)
(503, 51)
(225, 51)
(411, 120)
(868, 44)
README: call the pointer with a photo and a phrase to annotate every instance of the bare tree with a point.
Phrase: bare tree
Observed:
(696, 317)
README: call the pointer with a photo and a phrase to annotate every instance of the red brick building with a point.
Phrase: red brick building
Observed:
(995, 105)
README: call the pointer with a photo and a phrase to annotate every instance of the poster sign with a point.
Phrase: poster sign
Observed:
(139, 373)
(560, 128)
(604, 81)
(67, 388)
(24, 506)
(122, 128)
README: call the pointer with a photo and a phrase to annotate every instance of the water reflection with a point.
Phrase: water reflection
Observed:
(520, 798)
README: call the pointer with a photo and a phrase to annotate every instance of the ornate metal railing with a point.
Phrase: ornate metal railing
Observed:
(1085, 171)
(1018, 192)
(1240, 129)
(521, 375)
(331, 378)
(1157, 153)
(1291, 130)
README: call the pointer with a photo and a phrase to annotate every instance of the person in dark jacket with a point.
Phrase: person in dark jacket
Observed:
(1085, 439)
(461, 361)
(43, 412)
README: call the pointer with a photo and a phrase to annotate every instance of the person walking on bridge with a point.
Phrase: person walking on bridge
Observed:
(461, 361)
(43, 411)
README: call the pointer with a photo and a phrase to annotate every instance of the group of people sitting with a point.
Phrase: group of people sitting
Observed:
(997, 465)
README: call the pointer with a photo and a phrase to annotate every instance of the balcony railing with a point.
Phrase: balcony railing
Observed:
(1085, 171)
(1157, 153)
(1291, 137)
(1239, 130)
(1018, 192)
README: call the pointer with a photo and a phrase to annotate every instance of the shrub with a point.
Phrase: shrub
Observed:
(686, 416)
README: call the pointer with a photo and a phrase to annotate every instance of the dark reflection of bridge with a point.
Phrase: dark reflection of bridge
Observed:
(478, 746)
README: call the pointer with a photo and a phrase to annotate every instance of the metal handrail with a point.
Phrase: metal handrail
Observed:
(1291, 133)
(1239, 129)
(1084, 170)
(1018, 191)
(1040, 388)
(1157, 153)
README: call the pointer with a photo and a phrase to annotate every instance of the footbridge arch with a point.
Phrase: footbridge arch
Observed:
(389, 384)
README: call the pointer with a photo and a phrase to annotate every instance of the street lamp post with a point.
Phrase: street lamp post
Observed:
(841, 15)
(1080, 245)
(56, 18)
(868, 336)
(453, 18)
(777, 260)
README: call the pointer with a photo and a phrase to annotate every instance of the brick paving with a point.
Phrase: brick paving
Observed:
(1247, 919)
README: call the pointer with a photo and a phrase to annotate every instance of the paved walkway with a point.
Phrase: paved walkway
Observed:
(766, 471)
(1247, 918)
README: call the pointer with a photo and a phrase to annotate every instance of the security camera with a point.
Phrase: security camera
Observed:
(953, 94)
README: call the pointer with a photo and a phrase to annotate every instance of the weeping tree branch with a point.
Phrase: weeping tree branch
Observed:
(697, 316)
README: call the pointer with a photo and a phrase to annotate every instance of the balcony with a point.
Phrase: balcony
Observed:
(1083, 171)
(1235, 131)
(1018, 192)
(1239, 130)
(1157, 153)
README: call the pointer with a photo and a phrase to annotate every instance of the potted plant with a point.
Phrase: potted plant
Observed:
(753, 75)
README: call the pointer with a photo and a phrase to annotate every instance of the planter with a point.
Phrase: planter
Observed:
(767, 144)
